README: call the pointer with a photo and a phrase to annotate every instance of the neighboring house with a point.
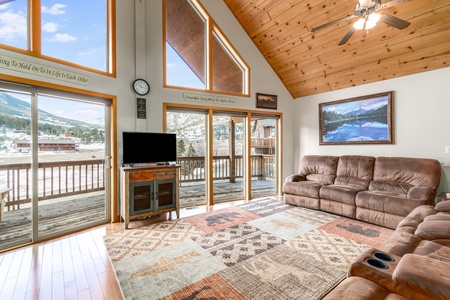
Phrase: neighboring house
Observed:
(47, 145)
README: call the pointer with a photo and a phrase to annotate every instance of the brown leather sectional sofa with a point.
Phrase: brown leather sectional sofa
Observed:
(414, 263)
(395, 192)
(378, 190)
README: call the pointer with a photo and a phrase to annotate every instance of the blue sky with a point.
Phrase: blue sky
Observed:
(178, 73)
(71, 30)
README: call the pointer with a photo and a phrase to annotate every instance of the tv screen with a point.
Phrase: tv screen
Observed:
(148, 147)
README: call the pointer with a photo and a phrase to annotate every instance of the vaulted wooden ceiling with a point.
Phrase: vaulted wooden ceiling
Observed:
(311, 63)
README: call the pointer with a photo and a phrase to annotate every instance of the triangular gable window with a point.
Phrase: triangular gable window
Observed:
(197, 54)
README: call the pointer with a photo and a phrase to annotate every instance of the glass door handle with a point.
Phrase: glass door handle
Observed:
(108, 162)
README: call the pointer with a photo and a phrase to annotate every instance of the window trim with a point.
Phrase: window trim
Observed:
(34, 41)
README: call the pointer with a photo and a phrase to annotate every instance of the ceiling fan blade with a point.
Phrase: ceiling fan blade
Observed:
(314, 29)
(392, 3)
(394, 21)
(347, 36)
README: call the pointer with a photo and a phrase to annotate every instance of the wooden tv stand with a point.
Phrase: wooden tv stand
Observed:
(148, 190)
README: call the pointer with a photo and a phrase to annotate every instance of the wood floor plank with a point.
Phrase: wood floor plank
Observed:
(107, 284)
(5, 266)
(58, 286)
(21, 287)
(32, 294)
(85, 295)
(94, 284)
(45, 286)
(80, 275)
(57, 257)
(69, 274)
(8, 288)
(70, 290)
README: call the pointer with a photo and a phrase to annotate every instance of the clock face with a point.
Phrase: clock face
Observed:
(141, 87)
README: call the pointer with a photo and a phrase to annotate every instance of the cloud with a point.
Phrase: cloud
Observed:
(56, 9)
(63, 37)
(91, 51)
(4, 6)
(50, 27)
(171, 65)
(12, 26)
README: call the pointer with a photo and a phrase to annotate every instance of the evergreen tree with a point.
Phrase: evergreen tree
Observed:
(190, 151)
(181, 148)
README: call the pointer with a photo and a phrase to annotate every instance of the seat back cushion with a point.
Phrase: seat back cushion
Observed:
(355, 171)
(320, 168)
(399, 174)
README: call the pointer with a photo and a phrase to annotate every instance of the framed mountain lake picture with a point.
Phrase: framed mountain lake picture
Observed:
(361, 120)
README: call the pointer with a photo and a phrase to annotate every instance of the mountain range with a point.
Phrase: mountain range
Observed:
(15, 107)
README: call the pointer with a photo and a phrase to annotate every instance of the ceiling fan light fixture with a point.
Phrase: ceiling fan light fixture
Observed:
(364, 2)
(359, 24)
(372, 21)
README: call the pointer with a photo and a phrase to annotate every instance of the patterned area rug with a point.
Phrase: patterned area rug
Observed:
(261, 250)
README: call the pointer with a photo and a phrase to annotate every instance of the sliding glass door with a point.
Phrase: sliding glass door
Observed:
(71, 163)
(224, 155)
(15, 175)
(264, 155)
(53, 163)
(228, 156)
(190, 127)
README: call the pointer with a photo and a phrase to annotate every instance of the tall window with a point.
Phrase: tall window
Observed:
(77, 33)
(197, 54)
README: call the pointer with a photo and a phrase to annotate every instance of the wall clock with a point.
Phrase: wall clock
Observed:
(141, 87)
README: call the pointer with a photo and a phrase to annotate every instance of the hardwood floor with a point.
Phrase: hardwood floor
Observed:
(75, 266)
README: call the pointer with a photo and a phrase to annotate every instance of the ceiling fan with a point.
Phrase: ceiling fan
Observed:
(366, 10)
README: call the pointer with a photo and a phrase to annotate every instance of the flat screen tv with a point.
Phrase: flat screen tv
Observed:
(148, 147)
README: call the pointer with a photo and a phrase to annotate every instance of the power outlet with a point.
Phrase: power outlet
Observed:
(447, 149)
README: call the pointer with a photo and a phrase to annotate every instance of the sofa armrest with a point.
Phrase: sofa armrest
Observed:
(295, 178)
(420, 193)
(424, 275)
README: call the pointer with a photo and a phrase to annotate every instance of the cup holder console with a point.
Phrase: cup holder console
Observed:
(376, 263)
(384, 256)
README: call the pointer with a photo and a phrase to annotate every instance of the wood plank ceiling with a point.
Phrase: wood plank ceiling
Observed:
(311, 63)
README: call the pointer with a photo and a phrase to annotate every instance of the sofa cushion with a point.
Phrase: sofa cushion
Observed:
(399, 174)
(415, 217)
(338, 193)
(424, 277)
(321, 168)
(433, 230)
(355, 171)
(433, 250)
(438, 217)
(443, 206)
(399, 243)
(303, 188)
(389, 202)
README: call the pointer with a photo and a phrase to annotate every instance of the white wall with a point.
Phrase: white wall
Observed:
(421, 112)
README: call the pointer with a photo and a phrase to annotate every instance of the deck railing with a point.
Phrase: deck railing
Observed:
(192, 168)
(66, 178)
(56, 179)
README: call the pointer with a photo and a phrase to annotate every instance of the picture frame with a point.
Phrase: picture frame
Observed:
(360, 120)
(266, 101)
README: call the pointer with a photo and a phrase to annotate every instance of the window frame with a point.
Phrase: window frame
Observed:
(34, 41)
(211, 29)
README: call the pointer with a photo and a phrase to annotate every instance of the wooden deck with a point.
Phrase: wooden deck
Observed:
(74, 211)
